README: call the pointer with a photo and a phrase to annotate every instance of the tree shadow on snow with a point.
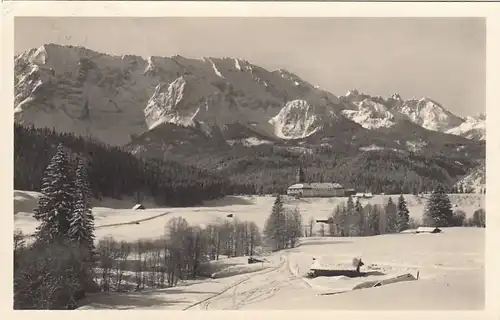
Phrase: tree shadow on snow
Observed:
(228, 201)
(373, 273)
(180, 290)
(129, 301)
(321, 243)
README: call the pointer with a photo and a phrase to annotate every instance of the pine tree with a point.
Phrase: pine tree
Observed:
(391, 214)
(374, 219)
(274, 226)
(403, 214)
(438, 210)
(360, 218)
(82, 221)
(55, 205)
(349, 217)
(293, 226)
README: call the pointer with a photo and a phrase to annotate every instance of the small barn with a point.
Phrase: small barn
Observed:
(329, 220)
(138, 207)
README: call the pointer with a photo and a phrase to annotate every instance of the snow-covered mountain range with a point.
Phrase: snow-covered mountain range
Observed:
(113, 98)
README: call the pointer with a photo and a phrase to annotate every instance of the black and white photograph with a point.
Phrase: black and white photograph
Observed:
(249, 163)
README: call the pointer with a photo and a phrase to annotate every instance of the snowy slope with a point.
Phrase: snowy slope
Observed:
(475, 180)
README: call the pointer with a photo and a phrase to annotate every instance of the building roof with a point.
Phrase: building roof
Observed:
(299, 186)
(316, 185)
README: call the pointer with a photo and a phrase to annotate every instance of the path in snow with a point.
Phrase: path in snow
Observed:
(256, 288)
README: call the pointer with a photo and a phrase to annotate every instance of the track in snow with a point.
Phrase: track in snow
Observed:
(255, 288)
(119, 224)
(132, 222)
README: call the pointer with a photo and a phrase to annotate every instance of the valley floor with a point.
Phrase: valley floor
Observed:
(450, 264)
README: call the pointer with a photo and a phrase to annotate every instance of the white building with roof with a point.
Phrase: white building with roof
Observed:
(316, 189)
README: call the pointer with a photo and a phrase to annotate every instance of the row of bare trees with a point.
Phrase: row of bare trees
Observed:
(181, 254)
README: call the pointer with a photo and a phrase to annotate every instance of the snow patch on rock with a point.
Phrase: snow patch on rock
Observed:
(298, 119)
(370, 115)
(471, 128)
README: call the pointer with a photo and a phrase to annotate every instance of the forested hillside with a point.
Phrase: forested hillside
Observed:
(114, 172)
(269, 168)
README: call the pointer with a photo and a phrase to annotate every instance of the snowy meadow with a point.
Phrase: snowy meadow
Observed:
(449, 263)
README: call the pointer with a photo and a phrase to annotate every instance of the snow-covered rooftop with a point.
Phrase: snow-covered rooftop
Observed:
(317, 185)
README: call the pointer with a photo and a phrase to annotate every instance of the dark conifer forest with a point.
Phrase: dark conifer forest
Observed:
(188, 174)
(272, 169)
(112, 171)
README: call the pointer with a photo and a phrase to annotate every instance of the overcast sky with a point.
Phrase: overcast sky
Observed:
(443, 59)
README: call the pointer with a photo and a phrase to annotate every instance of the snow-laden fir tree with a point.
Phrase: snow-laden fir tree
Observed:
(438, 210)
(403, 214)
(391, 212)
(274, 226)
(82, 228)
(55, 205)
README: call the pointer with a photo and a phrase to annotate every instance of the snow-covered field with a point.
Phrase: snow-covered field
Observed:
(121, 217)
(450, 264)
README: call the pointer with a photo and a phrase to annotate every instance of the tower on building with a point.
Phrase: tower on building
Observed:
(301, 177)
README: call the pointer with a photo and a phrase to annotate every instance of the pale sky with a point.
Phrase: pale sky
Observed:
(440, 58)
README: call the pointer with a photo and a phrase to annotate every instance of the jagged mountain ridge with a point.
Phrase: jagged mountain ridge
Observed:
(113, 97)
(378, 112)
(79, 90)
